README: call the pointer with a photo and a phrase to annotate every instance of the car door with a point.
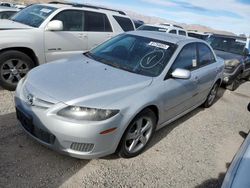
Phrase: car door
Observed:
(207, 71)
(68, 42)
(97, 28)
(179, 95)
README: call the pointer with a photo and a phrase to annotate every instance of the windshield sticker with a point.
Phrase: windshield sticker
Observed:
(159, 45)
(152, 59)
(45, 10)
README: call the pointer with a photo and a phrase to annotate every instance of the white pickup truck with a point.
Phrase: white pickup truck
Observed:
(45, 32)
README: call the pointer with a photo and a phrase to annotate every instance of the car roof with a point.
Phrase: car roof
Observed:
(101, 9)
(170, 26)
(167, 37)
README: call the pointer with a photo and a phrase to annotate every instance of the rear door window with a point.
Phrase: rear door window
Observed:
(206, 56)
(182, 33)
(97, 22)
(125, 23)
(173, 31)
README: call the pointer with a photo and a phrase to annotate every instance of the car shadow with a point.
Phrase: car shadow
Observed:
(26, 163)
(213, 182)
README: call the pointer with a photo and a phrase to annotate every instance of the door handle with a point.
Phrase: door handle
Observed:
(81, 35)
(196, 79)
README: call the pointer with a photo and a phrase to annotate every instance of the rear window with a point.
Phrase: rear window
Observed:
(97, 22)
(125, 23)
(152, 28)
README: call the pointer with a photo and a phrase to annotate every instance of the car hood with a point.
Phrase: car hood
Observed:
(83, 81)
(10, 25)
(227, 55)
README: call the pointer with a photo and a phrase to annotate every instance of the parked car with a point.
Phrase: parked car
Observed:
(19, 6)
(198, 35)
(115, 96)
(44, 32)
(6, 4)
(7, 12)
(238, 172)
(138, 23)
(165, 27)
(236, 56)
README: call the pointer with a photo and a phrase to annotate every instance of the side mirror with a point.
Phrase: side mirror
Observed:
(55, 25)
(181, 74)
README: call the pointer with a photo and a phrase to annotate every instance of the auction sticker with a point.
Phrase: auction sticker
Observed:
(45, 10)
(159, 45)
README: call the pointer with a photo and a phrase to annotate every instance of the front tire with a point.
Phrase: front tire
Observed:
(14, 65)
(211, 96)
(235, 84)
(138, 134)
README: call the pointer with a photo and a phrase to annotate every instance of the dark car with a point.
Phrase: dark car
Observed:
(235, 53)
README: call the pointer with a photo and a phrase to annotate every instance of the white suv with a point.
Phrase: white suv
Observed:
(164, 27)
(45, 32)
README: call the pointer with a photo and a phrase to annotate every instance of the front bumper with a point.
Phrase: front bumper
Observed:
(80, 140)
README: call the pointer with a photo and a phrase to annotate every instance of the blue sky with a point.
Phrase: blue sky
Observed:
(230, 15)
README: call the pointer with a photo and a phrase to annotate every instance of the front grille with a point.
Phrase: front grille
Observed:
(83, 147)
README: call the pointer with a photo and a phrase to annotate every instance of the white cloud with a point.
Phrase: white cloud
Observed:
(231, 24)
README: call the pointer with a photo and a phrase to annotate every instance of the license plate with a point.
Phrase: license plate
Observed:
(25, 120)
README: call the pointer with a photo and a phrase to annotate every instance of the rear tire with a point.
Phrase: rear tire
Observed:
(211, 96)
(14, 65)
(138, 134)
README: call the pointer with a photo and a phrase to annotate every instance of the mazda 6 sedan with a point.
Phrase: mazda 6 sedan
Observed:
(113, 98)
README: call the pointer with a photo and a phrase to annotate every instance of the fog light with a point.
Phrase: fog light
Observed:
(226, 79)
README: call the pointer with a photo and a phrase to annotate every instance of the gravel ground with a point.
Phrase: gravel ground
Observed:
(194, 151)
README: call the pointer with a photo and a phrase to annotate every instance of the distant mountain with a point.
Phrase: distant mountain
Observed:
(195, 27)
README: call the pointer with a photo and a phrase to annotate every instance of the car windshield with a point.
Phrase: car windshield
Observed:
(152, 28)
(140, 55)
(33, 15)
(226, 44)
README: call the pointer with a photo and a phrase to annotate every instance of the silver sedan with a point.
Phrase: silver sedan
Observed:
(114, 97)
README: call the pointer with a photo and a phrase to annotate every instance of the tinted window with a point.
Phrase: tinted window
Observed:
(198, 36)
(205, 55)
(182, 33)
(125, 23)
(140, 55)
(173, 31)
(226, 44)
(186, 57)
(96, 22)
(72, 20)
(7, 14)
(152, 28)
(33, 15)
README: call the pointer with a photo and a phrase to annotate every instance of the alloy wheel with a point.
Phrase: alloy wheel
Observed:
(13, 70)
(138, 135)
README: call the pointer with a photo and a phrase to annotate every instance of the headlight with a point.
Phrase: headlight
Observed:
(232, 63)
(88, 114)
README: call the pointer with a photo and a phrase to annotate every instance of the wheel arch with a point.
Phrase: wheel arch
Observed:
(28, 51)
